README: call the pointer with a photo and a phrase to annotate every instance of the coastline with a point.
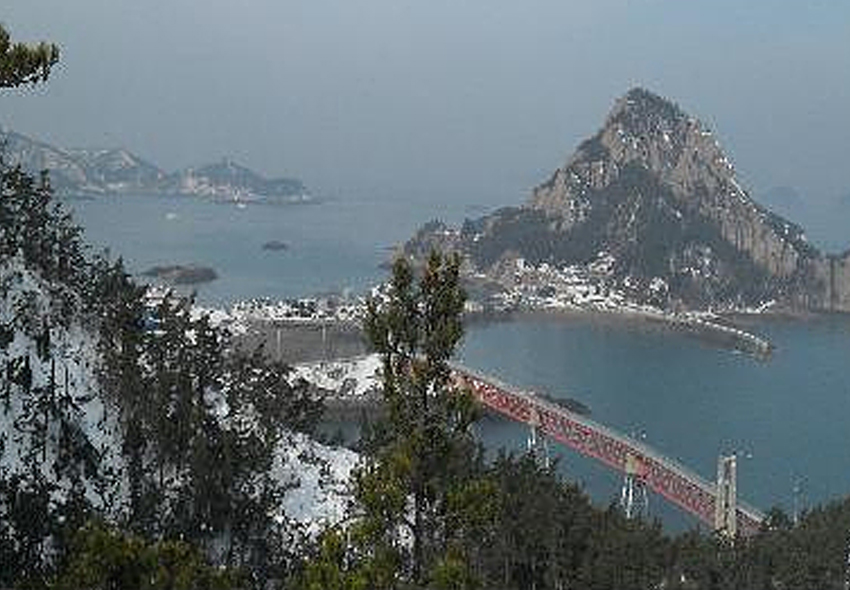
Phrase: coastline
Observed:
(316, 330)
(520, 287)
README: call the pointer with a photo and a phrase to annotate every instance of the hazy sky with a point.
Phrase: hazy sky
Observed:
(476, 100)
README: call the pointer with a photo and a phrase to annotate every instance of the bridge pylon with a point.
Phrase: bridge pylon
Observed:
(537, 445)
(633, 497)
(725, 506)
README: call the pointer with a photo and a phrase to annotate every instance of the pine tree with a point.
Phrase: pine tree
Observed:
(118, 304)
(201, 424)
(418, 494)
(416, 331)
(25, 64)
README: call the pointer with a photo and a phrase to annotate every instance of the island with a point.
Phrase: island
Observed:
(276, 246)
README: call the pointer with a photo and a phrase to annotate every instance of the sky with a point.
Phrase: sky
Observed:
(446, 100)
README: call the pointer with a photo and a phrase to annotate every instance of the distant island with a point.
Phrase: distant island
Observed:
(275, 245)
(182, 275)
(89, 172)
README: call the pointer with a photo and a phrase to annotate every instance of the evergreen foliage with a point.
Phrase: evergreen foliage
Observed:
(514, 523)
(41, 233)
(426, 451)
(25, 64)
(107, 559)
(201, 425)
(548, 535)
(419, 500)
(198, 424)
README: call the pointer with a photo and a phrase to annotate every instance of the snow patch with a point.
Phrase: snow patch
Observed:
(355, 377)
(320, 478)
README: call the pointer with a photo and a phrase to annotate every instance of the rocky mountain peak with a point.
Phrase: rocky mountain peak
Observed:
(650, 136)
(641, 112)
(654, 133)
(653, 192)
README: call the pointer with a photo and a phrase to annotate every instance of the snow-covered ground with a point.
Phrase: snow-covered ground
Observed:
(324, 472)
(317, 474)
(320, 478)
(356, 377)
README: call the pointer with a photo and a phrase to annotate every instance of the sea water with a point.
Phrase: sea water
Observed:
(332, 245)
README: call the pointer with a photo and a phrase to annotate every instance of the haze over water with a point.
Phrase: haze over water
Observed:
(443, 101)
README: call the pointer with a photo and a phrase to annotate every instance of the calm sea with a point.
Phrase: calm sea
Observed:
(332, 245)
(787, 418)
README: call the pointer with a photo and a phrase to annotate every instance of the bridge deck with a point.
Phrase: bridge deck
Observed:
(665, 476)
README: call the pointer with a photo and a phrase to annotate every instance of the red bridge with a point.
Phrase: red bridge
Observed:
(670, 479)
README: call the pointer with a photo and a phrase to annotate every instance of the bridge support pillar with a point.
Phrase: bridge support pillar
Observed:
(633, 497)
(537, 445)
(725, 506)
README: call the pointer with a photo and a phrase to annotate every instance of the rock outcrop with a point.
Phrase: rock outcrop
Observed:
(654, 190)
(833, 272)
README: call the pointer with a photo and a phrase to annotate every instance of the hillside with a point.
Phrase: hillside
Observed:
(85, 171)
(116, 170)
(130, 408)
(229, 180)
(654, 193)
